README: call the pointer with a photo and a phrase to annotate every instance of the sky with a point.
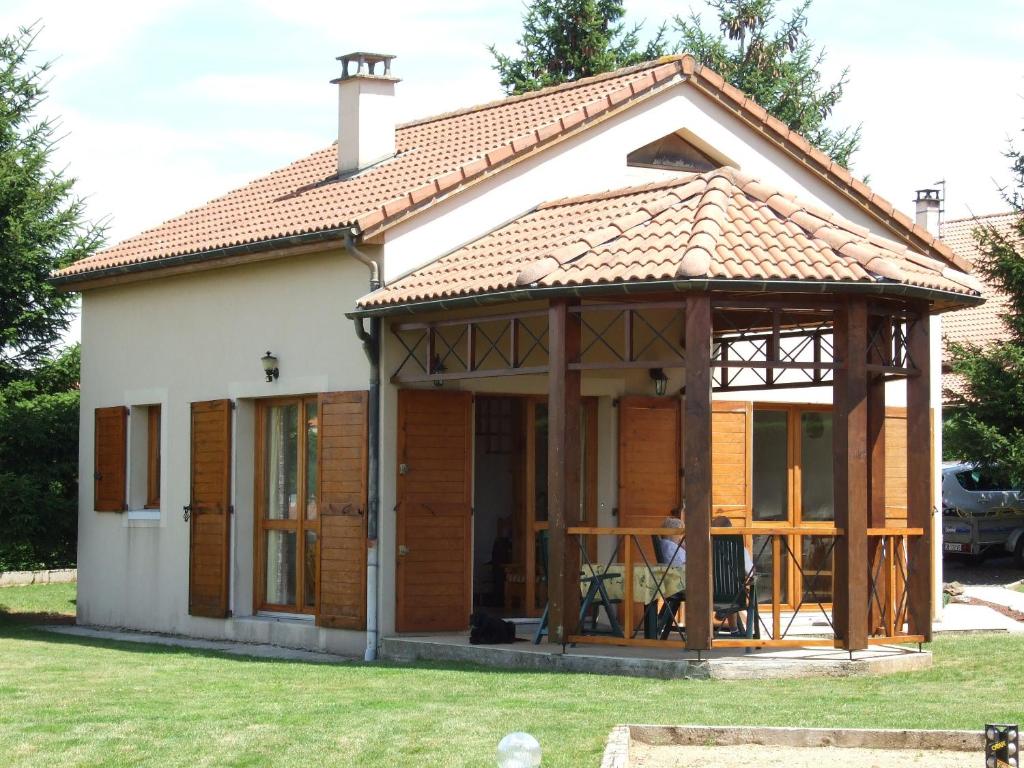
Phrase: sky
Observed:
(165, 104)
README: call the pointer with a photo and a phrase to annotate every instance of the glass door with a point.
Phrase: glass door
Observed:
(792, 486)
(289, 524)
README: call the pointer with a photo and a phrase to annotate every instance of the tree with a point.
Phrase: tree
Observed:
(565, 40)
(41, 229)
(986, 423)
(39, 466)
(41, 226)
(775, 64)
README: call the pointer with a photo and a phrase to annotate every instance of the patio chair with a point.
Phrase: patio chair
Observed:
(597, 595)
(734, 590)
(660, 621)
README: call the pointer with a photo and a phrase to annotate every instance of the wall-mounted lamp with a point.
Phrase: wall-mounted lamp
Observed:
(270, 366)
(436, 366)
(660, 381)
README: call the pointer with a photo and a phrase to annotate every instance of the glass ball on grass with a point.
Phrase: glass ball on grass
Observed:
(518, 750)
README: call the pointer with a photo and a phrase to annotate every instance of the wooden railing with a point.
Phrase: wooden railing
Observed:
(792, 612)
(888, 596)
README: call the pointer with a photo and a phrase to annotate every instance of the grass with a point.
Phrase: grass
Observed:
(71, 701)
(38, 601)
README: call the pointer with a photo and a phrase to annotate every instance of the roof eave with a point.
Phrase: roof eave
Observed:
(879, 288)
(208, 259)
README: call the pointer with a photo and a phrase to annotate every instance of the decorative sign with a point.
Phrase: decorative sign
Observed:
(1001, 746)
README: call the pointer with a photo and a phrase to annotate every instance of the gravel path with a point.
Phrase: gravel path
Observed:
(676, 756)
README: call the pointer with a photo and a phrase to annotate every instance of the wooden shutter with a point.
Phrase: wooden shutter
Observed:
(342, 479)
(650, 454)
(731, 470)
(210, 509)
(895, 467)
(109, 457)
(434, 519)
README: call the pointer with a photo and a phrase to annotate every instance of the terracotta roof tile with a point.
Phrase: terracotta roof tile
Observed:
(438, 155)
(719, 224)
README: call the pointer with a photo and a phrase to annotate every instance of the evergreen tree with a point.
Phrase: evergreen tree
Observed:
(986, 423)
(776, 64)
(41, 227)
(565, 40)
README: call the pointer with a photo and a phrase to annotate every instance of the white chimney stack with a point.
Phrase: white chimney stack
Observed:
(928, 207)
(366, 110)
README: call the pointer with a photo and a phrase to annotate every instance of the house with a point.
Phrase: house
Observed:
(459, 361)
(981, 324)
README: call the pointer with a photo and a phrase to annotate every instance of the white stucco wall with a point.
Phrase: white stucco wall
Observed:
(197, 337)
(595, 161)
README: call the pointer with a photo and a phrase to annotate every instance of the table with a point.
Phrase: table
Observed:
(646, 580)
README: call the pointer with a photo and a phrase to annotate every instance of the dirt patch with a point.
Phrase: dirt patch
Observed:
(677, 756)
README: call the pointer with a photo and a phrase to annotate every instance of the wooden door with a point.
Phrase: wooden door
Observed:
(731, 468)
(342, 504)
(209, 509)
(650, 463)
(434, 516)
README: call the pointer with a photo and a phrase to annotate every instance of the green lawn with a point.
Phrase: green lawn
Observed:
(52, 599)
(68, 701)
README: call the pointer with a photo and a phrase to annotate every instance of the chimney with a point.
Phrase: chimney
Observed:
(366, 110)
(928, 208)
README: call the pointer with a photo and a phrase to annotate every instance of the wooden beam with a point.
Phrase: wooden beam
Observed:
(851, 498)
(879, 330)
(697, 471)
(563, 471)
(919, 481)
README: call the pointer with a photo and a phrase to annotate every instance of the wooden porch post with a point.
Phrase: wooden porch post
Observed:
(563, 471)
(879, 329)
(697, 471)
(919, 477)
(851, 499)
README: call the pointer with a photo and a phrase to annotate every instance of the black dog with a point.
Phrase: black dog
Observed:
(488, 630)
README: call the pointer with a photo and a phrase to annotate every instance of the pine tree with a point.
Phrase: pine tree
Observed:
(41, 226)
(985, 424)
(775, 64)
(565, 40)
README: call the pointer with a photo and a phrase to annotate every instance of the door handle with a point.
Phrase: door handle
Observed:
(403, 550)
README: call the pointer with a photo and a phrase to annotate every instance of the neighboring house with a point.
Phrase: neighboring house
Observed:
(534, 283)
(980, 324)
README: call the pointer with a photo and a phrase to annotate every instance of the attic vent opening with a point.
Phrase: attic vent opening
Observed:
(672, 153)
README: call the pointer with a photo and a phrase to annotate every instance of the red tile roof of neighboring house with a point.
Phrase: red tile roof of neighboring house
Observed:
(440, 155)
(979, 324)
(720, 225)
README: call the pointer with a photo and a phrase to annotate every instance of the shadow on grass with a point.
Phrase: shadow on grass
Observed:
(12, 627)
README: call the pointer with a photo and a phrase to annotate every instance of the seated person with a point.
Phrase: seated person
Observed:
(673, 548)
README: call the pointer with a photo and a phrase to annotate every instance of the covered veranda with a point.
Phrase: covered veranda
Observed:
(738, 289)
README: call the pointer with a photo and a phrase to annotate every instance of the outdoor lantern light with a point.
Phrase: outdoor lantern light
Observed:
(1001, 745)
(660, 381)
(436, 366)
(518, 750)
(270, 366)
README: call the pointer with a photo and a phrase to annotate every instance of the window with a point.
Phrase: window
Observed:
(672, 153)
(144, 461)
(287, 509)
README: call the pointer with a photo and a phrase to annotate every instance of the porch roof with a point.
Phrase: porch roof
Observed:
(719, 226)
